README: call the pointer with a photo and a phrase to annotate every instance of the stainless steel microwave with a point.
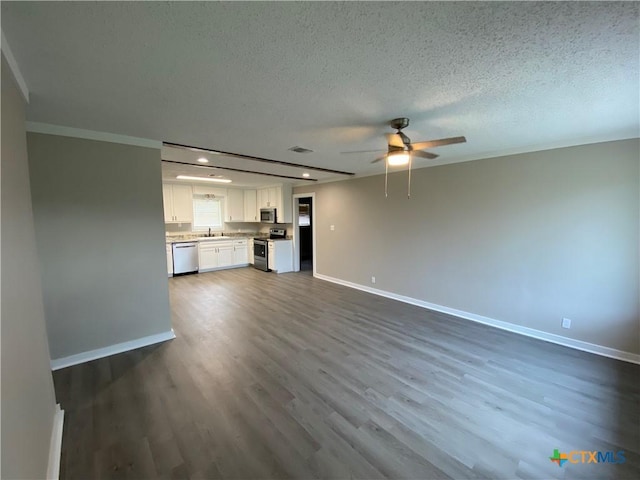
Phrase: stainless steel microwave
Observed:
(268, 215)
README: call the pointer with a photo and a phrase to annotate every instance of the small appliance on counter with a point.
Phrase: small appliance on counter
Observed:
(185, 257)
(268, 215)
(261, 248)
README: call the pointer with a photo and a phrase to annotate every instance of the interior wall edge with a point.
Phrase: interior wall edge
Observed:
(14, 67)
(55, 451)
(492, 322)
(61, 130)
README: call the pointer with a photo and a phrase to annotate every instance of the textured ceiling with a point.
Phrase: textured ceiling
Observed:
(257, 78)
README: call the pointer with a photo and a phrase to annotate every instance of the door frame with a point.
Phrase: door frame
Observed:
(296, 233)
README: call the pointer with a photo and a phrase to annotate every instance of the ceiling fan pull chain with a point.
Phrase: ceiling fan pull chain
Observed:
(386, 173)
(409, 186)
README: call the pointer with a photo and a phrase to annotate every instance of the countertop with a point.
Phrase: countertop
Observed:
(201, 238)
(186, 238)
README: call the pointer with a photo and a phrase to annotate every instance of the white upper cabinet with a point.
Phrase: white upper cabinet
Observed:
(263, 198)
(235, 205)
(178, 203)
(240, 205)
(167, 202)
(269, 197)
(278, 197)
(286, 206)
(250, 206)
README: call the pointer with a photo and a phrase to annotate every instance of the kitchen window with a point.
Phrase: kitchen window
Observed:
(207, 213)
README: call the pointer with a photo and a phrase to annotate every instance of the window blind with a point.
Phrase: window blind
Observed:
(207, 213)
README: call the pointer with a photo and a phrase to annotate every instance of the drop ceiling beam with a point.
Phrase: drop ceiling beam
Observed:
(257, 159)
(241, 170)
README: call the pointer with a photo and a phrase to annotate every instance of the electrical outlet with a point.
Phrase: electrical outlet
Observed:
(566, 323)
(332, 228)
(373, 279)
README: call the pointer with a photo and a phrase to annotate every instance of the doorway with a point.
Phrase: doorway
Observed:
(304, 241)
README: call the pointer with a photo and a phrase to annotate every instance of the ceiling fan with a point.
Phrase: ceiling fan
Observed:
(401, 150)
(400, 147)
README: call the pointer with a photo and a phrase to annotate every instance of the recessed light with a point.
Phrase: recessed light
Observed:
(203, 160)
(306, 175)
(203, 179)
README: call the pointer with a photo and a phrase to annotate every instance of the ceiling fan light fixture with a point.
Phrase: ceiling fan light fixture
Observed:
(401, 157)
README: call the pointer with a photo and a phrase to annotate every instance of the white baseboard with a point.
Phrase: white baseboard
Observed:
(529, 332)
(55, 447)
(83, 357)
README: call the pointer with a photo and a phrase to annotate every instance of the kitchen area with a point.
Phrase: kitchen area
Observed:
(211, 228)
(227, 210)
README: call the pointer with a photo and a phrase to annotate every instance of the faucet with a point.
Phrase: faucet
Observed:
(209, 232)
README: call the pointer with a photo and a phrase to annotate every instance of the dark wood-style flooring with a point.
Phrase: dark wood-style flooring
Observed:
(287, 376)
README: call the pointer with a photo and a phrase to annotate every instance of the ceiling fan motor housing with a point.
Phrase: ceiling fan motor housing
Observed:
(399, 123)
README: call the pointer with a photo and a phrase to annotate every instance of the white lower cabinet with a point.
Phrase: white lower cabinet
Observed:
(208, 252)
(218, 254)
(240, 252)
(250, 251)
(280, 256)
(225, 255)
(169, 260)
(271, 256)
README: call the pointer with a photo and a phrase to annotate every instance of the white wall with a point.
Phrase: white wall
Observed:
(28, 400)
(100, 234)
(526, 239)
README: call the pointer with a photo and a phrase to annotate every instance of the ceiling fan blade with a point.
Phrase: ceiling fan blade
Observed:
(438, 143)
(363, 151)
(379, 159)
(421, 154)
(394, 140)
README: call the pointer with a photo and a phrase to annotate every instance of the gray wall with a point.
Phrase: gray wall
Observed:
(527, 239)
(28, 400)
(100, 234)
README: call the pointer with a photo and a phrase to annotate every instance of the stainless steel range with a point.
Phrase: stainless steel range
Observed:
(261, 248)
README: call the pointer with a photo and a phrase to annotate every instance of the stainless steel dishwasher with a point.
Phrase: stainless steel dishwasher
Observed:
(185, 257)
